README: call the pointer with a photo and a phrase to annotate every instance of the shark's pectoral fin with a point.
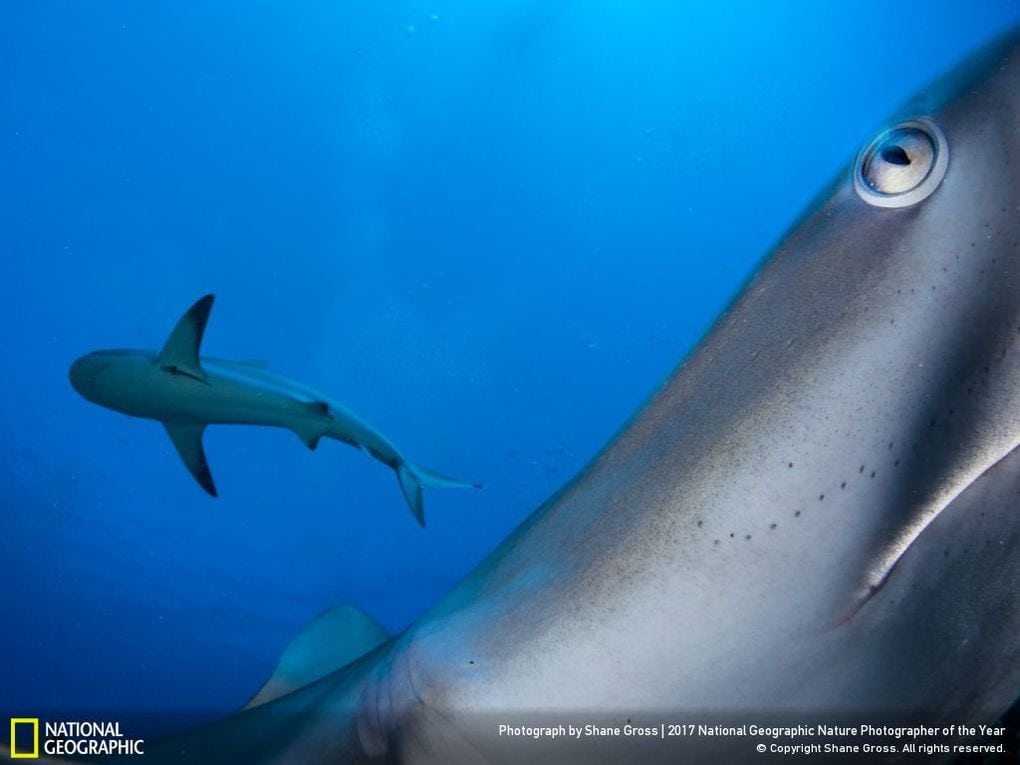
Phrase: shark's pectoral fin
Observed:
(333, 640)
(187, 438)
(180, 354)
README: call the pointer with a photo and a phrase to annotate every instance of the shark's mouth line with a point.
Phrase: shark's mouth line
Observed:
(914, 533)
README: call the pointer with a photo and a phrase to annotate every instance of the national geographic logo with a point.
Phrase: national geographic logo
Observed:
(24, 738)
(81, 738)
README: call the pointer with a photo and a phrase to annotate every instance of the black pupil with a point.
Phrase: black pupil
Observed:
(895, 155)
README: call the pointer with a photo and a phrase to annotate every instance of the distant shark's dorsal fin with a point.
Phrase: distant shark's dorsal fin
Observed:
(187, 438)
(333, 640)
(180, 354)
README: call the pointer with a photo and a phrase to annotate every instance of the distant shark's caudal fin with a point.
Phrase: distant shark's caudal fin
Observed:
(412, 478)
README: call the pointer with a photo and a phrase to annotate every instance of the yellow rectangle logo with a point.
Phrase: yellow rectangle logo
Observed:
(22, 755)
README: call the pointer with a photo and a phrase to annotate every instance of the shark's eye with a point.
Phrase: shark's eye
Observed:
(903, 165)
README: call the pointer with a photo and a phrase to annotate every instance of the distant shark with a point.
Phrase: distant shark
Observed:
(187, 392)
(816, 520)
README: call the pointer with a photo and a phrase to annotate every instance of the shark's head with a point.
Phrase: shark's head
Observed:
(822, 506)
(134, 381)
(102, 377)
(85, 371)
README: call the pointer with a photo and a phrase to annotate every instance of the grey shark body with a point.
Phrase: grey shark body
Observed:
(187, 392)
(816, 519)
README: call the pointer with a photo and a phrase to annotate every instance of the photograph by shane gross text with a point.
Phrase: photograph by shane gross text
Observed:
(460, 227)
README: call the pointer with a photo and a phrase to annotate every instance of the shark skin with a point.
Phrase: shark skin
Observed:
(187, 392)
(815, 520)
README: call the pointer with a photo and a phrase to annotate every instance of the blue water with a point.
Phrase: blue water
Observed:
(491, 229)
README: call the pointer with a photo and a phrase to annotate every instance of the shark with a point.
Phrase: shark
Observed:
(187, 392)
(816, 519)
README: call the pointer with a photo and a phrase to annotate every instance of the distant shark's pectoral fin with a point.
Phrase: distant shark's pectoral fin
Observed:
(180, 354)
(187, 438)
(333, 640)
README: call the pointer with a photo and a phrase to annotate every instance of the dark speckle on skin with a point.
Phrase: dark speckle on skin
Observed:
(872, 473)
(843, 485)
(797, 514)
(821, 497)
(747, 536)
(773, 526)
(790, 465)
(861, 469)
(732, 534)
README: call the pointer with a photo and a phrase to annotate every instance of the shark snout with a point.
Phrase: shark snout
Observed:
(76, 373)
(83, 371)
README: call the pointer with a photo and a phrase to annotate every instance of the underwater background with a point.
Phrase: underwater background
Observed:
(489, 228)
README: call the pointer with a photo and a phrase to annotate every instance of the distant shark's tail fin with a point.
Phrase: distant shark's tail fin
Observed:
(412, 478)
